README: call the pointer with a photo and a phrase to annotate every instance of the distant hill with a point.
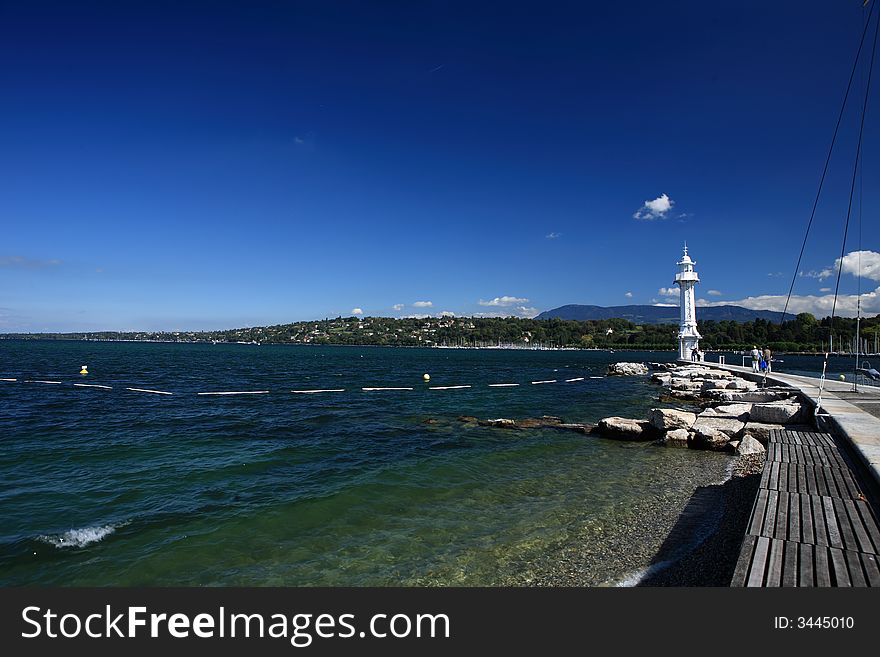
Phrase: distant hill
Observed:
(658, 314)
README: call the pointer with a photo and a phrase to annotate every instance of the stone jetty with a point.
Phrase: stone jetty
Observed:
(717, 410)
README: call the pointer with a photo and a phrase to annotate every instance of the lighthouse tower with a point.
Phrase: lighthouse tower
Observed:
(686, 278)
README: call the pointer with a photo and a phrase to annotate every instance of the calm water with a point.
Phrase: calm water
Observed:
(111, 487)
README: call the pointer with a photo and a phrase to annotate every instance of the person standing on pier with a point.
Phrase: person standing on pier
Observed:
(767, 355)
(756, 358)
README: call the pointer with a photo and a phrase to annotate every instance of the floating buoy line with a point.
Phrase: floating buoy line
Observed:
(316, 391)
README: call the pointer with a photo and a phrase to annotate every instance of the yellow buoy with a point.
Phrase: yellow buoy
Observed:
(426, 377)
(84, 370)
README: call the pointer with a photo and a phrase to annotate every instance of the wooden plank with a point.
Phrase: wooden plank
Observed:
(872, 570)
(855, 569)
(838, 566)
(756, 524)
(769, 528)
(774, 475)
(844, 522)
(744, 562)
(862, 539)
(852, 487)
(765, 475)
(812, 487)
(805, 576)
(808, 533)
(781, 524)
(774, 565)
(821, 484)
(869, 521)
(794, 517)
(790, 565)
(823, 572)
(801, 479)
(818, 516)
(834, 536)
(759, 560)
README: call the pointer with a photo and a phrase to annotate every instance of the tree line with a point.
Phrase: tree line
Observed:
(803, 333)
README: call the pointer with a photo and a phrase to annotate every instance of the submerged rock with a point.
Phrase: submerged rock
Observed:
(676, 438)
(709, 438)
(623, 428)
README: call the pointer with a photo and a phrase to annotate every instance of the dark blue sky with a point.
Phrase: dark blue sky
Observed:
(185, 165)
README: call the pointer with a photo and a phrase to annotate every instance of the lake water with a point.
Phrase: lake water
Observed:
(114, 487)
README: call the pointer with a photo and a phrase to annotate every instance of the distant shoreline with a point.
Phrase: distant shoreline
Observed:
(36, 337)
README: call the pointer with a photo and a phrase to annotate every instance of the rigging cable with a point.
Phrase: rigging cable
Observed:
(849, 206)
(827, 161)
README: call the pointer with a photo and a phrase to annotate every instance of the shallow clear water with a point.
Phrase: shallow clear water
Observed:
(112, 487)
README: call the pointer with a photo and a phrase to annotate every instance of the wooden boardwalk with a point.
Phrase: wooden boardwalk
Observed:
(811, 524)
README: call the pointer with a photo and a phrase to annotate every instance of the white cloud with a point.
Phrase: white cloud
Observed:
(714, 293)
(416, 316)
(397, 306)
(553, 236)
(821, 275)
(667, 305)
(504, 301)
(668, 292)
(423, 304)
(357, 311)
(866, 261)
(655, 209)
(818, 305)
(628, 295)
(447, 313)
(519, 311)
(824, 289)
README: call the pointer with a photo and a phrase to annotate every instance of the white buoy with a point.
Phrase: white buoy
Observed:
(426, 377)
(842, 377)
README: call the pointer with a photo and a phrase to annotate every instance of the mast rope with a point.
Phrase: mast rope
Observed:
(849, 206)
(827, 161)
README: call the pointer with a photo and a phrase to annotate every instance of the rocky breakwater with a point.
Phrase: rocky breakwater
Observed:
(721, 411)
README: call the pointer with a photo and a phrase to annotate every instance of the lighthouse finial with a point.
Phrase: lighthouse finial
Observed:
(685, 248)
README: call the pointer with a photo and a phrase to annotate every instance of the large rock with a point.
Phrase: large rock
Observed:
(685, 384)
(741, 384)
(718, 384)
(749, 445)
(627, 369)
(729, 426)
(760, 431)
(623, 428)
(676, 438)
(755, 396)
(667, 419)
(663, 379)
(777, 412)
(739, 411)
(709, 438)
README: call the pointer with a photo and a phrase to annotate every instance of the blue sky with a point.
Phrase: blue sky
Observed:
(190, 165)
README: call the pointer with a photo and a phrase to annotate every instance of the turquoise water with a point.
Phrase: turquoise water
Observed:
(113, 487)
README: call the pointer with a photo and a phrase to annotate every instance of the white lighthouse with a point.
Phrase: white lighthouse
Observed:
(686, 278)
